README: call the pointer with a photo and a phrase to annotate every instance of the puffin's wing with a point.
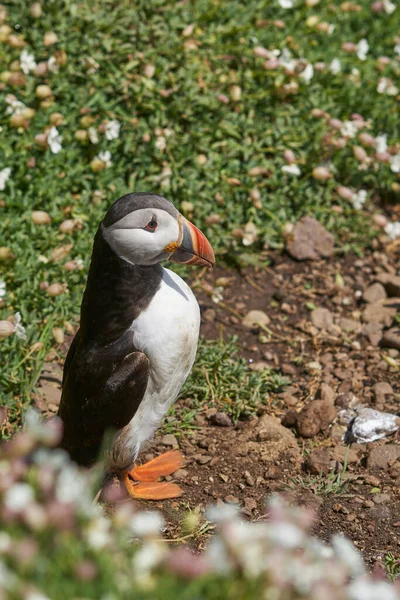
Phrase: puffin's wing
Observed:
(89, 407)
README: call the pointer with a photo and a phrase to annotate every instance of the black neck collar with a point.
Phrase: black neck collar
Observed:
(116, 292)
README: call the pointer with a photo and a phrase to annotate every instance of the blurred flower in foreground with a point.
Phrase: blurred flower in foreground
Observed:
(335, 67)
(286, 3)
(358, 199)
(27, 62)
(393, 230)
(395, 163)
(105, 157)
(4, 176)
(291, 169)
(388, 7)
(386, 86)
(111, 130)
(362, 49)
(54, 140)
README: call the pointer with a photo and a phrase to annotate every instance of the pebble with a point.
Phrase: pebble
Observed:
(203, 460)
(249, 479)
(380, 498)
(250, 504)
(170, 440)
(391, 338)
(380, 456)
(374, 292)
(314, 417)
(221, 419)
(309, 240)
(322, 318)
(254, 317)
(318, 461)
(231, 499)
(372, 480)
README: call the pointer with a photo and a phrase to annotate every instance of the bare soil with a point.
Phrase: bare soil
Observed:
(245, 463)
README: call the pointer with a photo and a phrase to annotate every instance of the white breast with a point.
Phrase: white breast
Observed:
(167, 331)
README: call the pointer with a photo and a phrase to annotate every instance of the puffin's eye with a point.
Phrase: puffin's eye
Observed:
(152, 225)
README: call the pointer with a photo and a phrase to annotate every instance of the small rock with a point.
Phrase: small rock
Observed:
(380, 456)
(318, 462)
(347, 400)
(203, 460)
(250, 504)
(288, 399)
(326, 393)
(391, 338)
(273, 473)
(374, 292)
(370, 425)
(254, 317)
(368, 503)
(181, 474)
(344, 454)
(290, 418)
(322, 318)
(380, 498)
(382, 388)
(382, 511)
(221, 419)
(231, 499)
(309, 240)
(373, 331)
(349, 325)
(372, 480)
(249, 479)
(383, 311)
(288, 369)
(170, 440)
(391, 283)
(314, 417)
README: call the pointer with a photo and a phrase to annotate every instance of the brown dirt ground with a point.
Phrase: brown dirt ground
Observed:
(245, 463)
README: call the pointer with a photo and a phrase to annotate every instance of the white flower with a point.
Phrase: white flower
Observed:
(348, 129)
(17, 497)
(386, 86)
(5, 542)
(308, 73)
(98, 533)
(34, 595)
(15, 106)
(358, 200)
(395, 163)
(397, 49)
(105, 157)
(4, 175)
(71, 485)
(389, 7)
(291, 169)
(286, 60)
(27, 62)
(146, 523)
(161, 142)
(111, 130)
(381, 143)
(335, 66)
(19, 328)
(54, 140)
(52, 65)
(368, 589)
(362, 49)
(286, 3)
(147, 558)
(2, 288)
(347, 553)
(93, 135)
(393, 230)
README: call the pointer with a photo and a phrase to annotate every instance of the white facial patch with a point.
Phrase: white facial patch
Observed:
(130, 239)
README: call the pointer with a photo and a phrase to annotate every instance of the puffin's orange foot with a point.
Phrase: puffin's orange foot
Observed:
(152, 490)
(161, 466)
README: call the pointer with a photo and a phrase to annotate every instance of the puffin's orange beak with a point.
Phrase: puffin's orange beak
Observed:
(194, 249)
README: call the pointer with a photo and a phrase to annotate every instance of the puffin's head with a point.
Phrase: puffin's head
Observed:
(145, 229)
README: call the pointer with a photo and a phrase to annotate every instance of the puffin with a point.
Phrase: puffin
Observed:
(136, 343)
